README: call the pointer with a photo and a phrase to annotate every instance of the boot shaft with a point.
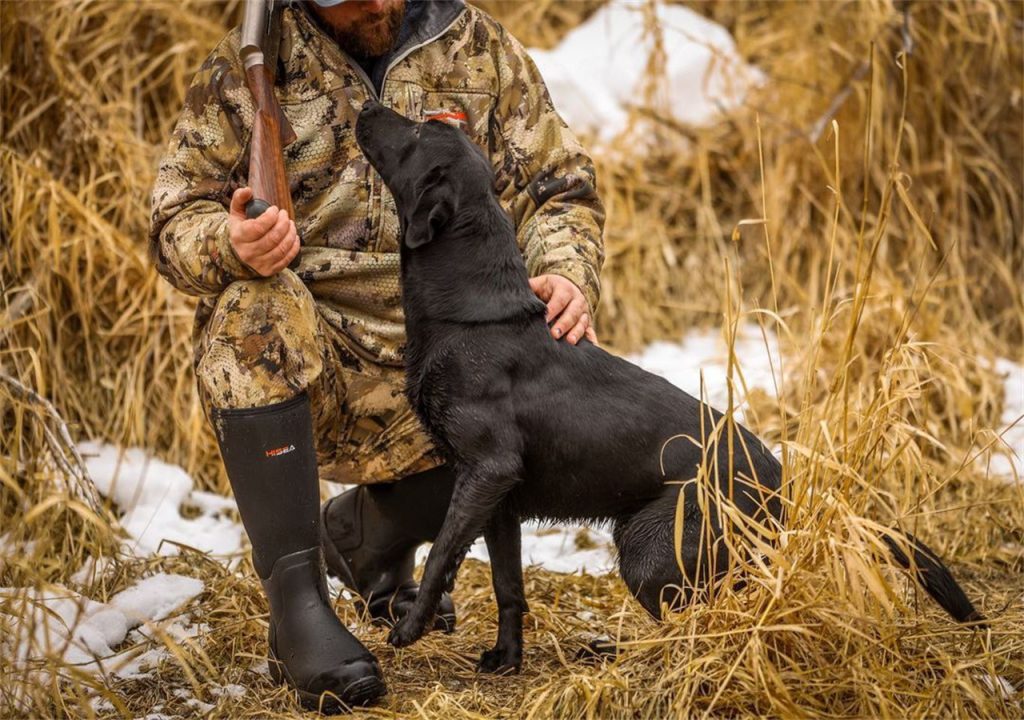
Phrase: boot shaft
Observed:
(270, 457)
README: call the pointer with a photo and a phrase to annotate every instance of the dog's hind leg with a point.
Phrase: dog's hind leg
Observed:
(472, 506)
(504, 541)
(648, 562)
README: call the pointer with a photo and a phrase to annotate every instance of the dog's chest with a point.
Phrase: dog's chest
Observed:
(445, 380)
(429, 385)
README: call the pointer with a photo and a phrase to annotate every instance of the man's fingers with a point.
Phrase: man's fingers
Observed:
(590, 334)
(239, 198)
(579, 331)
(541, 287)
(561, 298)
(254, 230)
(296, 246)
(290, 247)
(568, 318)
(280, 253)
(270, 240)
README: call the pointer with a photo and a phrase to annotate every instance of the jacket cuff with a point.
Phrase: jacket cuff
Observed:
(223, 255)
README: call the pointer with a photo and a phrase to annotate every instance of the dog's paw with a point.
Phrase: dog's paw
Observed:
(405, 633)
(500, 661)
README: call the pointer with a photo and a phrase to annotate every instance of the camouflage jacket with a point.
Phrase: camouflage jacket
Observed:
(460, 66)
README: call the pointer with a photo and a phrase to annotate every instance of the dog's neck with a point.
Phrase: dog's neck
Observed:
(472, 273)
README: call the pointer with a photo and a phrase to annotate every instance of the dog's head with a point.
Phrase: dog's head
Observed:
(430, 168)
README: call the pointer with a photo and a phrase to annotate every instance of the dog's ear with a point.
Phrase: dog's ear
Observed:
(435, 205)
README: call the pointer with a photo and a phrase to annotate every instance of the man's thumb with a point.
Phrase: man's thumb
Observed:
(238, 200)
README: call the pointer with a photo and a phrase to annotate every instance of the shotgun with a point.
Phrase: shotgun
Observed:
(271, 132)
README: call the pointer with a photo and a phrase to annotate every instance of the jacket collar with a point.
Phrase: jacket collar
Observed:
(432, 19)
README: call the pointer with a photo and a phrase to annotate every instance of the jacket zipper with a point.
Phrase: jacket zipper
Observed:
(376, 201)
(394, 61)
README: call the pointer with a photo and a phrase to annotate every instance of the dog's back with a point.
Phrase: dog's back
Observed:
(601, 436)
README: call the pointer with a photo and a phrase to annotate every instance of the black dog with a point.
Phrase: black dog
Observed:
(537, 428)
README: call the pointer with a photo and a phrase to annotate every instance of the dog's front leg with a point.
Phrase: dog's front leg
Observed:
(474, 499)
(504, 540)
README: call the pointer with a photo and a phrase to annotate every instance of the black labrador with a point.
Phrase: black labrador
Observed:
(536, 428)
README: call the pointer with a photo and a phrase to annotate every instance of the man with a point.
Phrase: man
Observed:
(301, 370)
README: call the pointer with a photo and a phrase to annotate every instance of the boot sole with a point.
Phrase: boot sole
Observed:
(358, 693)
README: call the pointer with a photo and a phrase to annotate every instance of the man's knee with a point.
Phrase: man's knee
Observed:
(261, 344)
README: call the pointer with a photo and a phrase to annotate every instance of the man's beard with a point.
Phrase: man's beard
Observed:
(373, 38)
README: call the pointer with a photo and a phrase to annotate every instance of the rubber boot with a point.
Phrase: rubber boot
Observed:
(270, 460)
(370, 535)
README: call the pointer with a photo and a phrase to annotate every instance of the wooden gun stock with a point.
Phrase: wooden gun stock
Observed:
(270, 133)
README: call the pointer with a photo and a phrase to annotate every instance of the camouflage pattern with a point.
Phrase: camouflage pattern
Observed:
(265, 342)
(334, 326)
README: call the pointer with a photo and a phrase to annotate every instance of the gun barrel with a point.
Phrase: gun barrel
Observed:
(254, 31)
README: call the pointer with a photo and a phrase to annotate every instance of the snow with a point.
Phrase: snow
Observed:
(1009, 461)
(230, 690)
(151, 495)
(89, 634)
(1001, 686)
(599, 70)
(555, 548)
(92, 569)
(156, 597)
(705, 352)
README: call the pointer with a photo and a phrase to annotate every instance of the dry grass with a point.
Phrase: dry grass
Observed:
(889, 263)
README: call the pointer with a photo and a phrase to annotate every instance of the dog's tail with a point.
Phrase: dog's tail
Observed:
(933, 575)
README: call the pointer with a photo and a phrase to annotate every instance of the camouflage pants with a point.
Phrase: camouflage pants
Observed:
(264, 342)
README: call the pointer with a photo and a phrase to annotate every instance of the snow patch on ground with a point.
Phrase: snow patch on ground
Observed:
(598, 71)
(557, 548)
(97, 636)
(1003, 687)
(1009, 461)
(152, 494)
(705, 352)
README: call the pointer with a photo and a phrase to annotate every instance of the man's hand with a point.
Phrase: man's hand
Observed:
(267, 243)
(567, 305)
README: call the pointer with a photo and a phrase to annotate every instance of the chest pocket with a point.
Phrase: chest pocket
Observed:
(469, 111)
(327, 172)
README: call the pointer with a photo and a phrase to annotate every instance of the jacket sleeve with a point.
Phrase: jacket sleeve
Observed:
(545, 179)
(192, 192)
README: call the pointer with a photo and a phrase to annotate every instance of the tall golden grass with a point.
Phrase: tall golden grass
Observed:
(866, 207)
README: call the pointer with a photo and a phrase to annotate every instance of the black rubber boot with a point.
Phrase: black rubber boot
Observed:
(370, 535)
(270, 459)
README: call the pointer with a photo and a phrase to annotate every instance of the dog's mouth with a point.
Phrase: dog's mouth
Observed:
(381, 134)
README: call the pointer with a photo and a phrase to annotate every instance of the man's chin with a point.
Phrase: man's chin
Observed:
(376, 35)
